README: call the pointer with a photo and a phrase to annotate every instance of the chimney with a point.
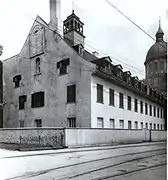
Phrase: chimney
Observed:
(53, 15)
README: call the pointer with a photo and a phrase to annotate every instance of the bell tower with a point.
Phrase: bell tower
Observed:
(73, 30)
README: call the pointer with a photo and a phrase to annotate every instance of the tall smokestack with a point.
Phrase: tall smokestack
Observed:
(53, 15)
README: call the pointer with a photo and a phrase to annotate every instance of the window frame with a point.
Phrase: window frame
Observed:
(100, 93)
(129, 103)
(121, 100)
(22, 102)
(141, 107)
(36, 96)
(135, 105)
(38, 123)
(71, 122)
(71, 93)
(111, 97)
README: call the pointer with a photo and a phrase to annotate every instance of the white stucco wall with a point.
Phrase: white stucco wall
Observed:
(114, 112)
(84, 137)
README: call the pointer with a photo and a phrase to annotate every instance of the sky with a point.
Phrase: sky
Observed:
(106, 30)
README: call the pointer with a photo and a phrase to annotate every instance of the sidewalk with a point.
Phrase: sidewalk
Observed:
(12, 154)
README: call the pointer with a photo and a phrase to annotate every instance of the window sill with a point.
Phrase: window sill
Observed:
(129, 109)
(37, 107)
(112, 105)
(70, 102)
(38, 74)
(100, 102)
(121, 107)
(62, 74)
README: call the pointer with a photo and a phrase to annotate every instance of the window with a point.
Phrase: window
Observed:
(136, 105)
(121, 124)
(154, 111)
(161, 113)
(71, 93)
(22, 100)
(129, 125)
(150, 126)
(37, 100)
(136, 124)
(121, 100)
(72, 122)
(158, 127)
(99, 93)
(146, 125)
(164, 127)
(38, 122)
(146, 108)
(21, 124)
(150, 108)
(154, 127)
(111, 97)
(158, 114)
(62, 66)
(17, 80)
(161, 127)
(38, 70)
(141, 107)
(112, 123)
(129, 102)
(100, 123)
(141, 125)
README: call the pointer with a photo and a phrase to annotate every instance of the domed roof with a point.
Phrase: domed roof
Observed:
(159, 49)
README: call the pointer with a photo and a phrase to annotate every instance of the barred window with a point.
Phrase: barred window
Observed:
(72, 122)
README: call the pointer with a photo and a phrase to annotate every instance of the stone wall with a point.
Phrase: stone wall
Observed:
(13, 135)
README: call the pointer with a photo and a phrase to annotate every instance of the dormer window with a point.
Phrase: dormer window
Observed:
(17, 80)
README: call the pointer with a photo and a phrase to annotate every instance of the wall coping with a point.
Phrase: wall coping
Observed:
(31, 128)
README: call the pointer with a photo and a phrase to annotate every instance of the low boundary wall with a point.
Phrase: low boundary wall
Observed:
(79, 137)
(158, 135)
(86, 137)
(33, 136)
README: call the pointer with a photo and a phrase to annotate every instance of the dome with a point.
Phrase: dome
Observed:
(159, 49)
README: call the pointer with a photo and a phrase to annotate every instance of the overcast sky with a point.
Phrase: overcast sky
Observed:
(105, 29)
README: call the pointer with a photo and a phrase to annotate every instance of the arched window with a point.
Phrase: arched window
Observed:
(38, 65)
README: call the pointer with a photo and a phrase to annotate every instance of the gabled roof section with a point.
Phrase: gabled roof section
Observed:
(37, 21)
(136, 78)
(128, 73)
(119, 66)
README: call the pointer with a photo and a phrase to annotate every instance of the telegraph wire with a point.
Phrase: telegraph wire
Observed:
(137, 70)
(133, 22)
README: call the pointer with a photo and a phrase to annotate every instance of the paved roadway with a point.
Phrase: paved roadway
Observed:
(145, 161)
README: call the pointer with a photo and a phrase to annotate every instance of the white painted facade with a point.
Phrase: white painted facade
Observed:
(107, 112)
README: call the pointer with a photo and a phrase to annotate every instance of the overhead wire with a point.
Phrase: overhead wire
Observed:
(134, 23)
(136, 70)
